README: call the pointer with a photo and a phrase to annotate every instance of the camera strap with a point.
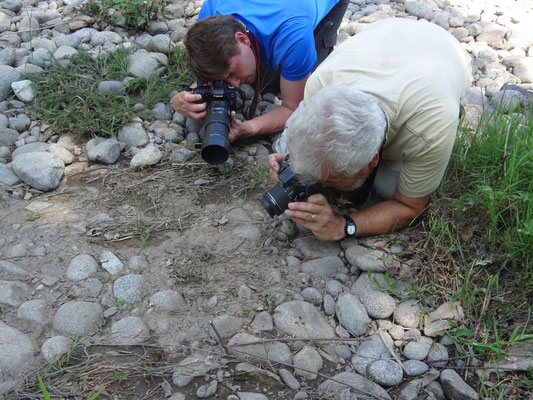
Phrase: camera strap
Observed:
(255, 49)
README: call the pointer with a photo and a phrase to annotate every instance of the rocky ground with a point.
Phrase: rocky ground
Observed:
(152, 272)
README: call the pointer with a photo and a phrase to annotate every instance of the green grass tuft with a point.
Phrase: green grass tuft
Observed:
(69, 101)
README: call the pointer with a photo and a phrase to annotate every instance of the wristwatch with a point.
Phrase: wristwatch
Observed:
(350, 228)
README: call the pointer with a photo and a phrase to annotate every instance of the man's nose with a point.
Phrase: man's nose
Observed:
(234, 81)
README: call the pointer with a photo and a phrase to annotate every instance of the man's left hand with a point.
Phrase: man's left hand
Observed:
(239, 129)
(317, 215)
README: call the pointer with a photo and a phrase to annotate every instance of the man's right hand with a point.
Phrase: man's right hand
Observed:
(274, 162)
(185, 103)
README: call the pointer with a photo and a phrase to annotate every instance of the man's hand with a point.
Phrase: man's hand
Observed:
(274, 161)
(239, 129)
(317, 215)
(185, 103)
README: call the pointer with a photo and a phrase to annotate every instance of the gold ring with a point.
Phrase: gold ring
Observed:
(313, 217)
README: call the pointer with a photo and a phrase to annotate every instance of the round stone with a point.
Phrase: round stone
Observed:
(385, 372)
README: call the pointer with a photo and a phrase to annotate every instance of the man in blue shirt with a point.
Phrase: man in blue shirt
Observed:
(234, 37)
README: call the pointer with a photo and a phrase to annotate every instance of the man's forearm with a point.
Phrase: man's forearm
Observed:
(383, 217)
(273, 121)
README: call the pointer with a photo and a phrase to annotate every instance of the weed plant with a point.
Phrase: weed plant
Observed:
(133, 15)
(69, 101)
(479, 247)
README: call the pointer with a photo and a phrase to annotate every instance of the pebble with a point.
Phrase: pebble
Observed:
(351, 314)
(81, 267)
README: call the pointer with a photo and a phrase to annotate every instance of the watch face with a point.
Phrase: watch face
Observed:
(350, 229)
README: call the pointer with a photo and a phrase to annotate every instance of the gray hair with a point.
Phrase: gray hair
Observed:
(339, 130)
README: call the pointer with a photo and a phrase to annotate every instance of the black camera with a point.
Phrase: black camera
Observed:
(291, 188)
(221, 99)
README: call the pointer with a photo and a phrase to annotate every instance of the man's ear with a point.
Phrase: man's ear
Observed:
(241, 37)
(374, 162)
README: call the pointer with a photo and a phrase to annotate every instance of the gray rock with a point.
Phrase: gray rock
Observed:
(524, 70)
(455, 388)
(262, 322)
(106, 151)
(8, 137)
(23, 90)
(81, 267)
(34, 310)
(8, 269)
(302, 319)
(16, 353)
(252, 374)
(365, 259)
(419, 9)
(162, 111)
(312, 295)
(40, 57)
(329, 305)
(112, 87)
(378, 304)
(101, 38)
(7, 57)
(331, 387)
(325, 266)
(251, 396)
(416, 367)
(312, 247)
(138, 264)
(334, 287)
(289, 379)
(72, 41)
(274, 351)
(129, 330)
(190, 367)
(144, 64)
(226, 326)
(13, 293)
(7, 176)
(167, 300)
(133, 135)
(129, 288)
(149, 155)
(42, 171)
(31, 148)
(418, 350)
(437, 352)
(55, 347)
(90, 287)
(351, 314)
(78, 317)
(385, 372)
(8, 75)
(308, 359)
(369, 351)
(182, 155)
(364, 283)
(13, 5)
(407, 314)
(160, 44)
(111, 263)
(207, 390)
(66, 156)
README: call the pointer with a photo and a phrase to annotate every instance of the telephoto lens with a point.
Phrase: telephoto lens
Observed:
(291, 188)
(221, 100)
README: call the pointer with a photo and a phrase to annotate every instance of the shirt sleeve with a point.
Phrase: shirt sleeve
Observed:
(296, 52)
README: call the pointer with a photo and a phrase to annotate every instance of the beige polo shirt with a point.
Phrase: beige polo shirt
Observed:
(419, 72)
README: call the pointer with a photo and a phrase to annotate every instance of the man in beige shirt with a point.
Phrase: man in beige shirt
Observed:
(386, 100)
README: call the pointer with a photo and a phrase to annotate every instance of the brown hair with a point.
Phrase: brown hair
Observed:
(210, 43)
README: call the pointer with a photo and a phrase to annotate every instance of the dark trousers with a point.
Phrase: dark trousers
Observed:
(325, 39)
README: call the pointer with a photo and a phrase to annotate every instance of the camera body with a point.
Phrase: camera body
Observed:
(291, 188)
(221, 99)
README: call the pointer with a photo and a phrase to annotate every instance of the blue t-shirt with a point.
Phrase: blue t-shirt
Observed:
(283, 29)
